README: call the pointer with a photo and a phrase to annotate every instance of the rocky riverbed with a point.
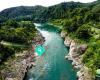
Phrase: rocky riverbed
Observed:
(75, 54)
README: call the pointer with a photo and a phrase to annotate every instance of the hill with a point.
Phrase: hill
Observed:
(22, 12)
(40, 13)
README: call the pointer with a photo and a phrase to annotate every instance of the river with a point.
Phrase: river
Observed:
(52, 64)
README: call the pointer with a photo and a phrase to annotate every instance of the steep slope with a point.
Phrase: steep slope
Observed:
(40, 13)
(22, 12)
(60, 10)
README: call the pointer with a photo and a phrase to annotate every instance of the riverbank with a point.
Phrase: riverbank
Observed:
(75, 54)
(17, 67)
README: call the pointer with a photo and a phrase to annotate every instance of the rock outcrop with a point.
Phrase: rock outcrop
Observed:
(75, 55)
(63, 34)
(15, 69)
(18, 67)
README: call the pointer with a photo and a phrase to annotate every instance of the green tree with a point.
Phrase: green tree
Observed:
(11, 23)
(83, 32)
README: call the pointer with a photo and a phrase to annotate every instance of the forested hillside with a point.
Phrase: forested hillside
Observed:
(83, 25)
(80, 20)
(21, 13)
(14, 37)
(42, 14)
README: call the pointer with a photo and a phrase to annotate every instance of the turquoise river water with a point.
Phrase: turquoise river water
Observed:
(52, 64)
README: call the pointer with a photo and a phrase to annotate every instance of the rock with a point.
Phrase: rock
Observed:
(11, 79)
(73, 63)
(82, 48)
(23, 62)
(67, 41)
(79, 74)
(75, 56)
(73, 44)
(78, 66)
(66, 57)
(83, 74)
(63, 34)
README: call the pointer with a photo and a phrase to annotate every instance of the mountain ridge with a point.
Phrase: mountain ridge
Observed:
(41, 13)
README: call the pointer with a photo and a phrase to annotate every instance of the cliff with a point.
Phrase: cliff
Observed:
(75, 55)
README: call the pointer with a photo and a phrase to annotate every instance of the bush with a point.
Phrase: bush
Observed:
(84, 31)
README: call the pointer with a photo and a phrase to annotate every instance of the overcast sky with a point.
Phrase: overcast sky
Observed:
(11, 3)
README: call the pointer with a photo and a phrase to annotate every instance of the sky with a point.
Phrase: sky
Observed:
(12, 3)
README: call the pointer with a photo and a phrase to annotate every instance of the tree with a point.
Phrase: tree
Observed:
(67, 24)
(71, 25)
(11, 23)
(83, 32)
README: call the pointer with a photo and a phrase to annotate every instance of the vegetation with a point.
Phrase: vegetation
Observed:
(22, 13)
(42, 14)
(15, 36)
(80, 20)
(83, 24)
(92, 56)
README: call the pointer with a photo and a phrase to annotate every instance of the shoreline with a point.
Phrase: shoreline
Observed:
(75, 55)
(76, 51)
(18, 67)
(39, 39)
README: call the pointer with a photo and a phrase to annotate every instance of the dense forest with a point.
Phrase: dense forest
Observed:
(83, 24)
(80, 20)
(42, 14)
(15, 36)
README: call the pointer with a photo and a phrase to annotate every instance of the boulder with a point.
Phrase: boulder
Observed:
(67, 41)
(11, 79)
(82, 48)
(63, 34)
